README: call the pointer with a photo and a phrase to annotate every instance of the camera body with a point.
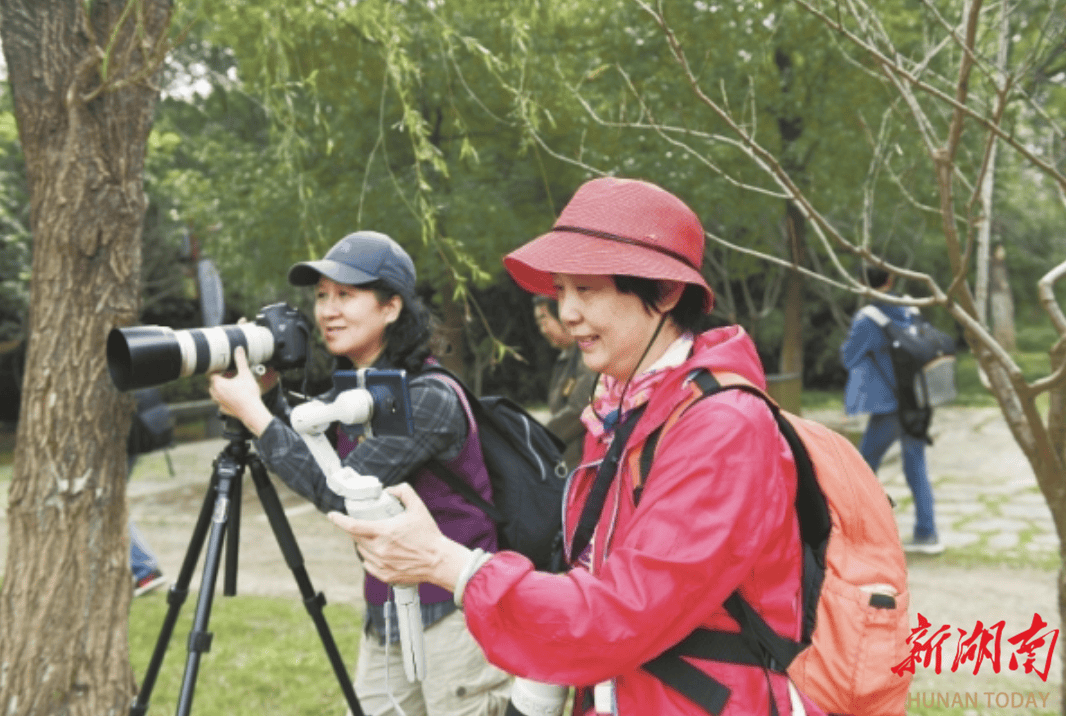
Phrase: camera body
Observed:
(147, 356)
(291, 332)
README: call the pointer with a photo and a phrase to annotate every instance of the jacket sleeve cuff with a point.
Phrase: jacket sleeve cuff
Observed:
(478, 558)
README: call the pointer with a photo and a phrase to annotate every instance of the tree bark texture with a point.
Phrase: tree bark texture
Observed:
(65, 597)
(1044, 446)
(1001, 300)
(794, 295)
(451, 335)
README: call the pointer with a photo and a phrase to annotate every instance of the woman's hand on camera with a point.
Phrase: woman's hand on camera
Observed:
(408, 548)
(240, 394)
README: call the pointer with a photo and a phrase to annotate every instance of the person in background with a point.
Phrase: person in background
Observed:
(147, 574)
(571, 383)
(370, 317)
(871, 388)
(715, 514)
(151, 429)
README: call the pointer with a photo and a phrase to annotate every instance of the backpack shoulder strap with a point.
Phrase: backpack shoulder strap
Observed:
(757, 644)
(700, 384)
(463, 487)
(480, 417)
(467, 399)
(878, 316)
(597, 497)
(875, 314)
(471, 407)
(810, 501)
(647, 452)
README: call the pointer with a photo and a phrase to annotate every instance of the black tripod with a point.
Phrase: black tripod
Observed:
(222, 512)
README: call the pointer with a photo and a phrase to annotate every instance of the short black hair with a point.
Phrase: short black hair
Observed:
(688, 312)
(548, 302)
(876, 277)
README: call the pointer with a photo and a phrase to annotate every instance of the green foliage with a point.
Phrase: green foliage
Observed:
(265, 658)
(376, 116)
(461, 129)
(1035, 338)
(15, 252)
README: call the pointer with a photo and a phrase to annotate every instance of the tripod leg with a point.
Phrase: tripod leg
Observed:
(176, 596)
(229, 471)
(279, 523)
(233, 542)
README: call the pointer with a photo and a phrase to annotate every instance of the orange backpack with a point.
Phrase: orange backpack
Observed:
(854, 581)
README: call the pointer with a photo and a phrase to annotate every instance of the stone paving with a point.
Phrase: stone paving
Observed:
(986, 495)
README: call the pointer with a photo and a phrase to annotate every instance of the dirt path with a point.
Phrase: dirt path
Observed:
(166, 508)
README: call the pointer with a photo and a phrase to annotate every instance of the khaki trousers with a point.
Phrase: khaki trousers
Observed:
(459, 681)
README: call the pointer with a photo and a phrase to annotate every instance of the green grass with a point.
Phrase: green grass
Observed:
(814, 399)
(265, 658)
(7, 446)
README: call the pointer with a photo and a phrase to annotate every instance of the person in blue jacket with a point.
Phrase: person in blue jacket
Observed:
(868, 390)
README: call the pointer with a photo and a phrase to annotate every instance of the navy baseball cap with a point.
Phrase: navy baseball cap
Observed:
(360, 258)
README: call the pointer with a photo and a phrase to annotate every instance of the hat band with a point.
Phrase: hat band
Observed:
(631, 242)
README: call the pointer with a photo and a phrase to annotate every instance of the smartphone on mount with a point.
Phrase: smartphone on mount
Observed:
(392, 413)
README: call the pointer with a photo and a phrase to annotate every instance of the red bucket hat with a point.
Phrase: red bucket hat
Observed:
(616, 226)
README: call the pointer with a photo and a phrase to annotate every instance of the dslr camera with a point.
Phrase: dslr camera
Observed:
(146, 356)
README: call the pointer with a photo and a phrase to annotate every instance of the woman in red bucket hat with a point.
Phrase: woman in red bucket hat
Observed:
(651, 559)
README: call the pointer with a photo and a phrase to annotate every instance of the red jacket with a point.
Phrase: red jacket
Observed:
(716, 514)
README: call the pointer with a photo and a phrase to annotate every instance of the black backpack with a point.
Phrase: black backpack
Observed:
(526, 468)
(923, 360)
(153, 426)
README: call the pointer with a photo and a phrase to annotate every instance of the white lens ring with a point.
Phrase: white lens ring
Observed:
(260, 342)
(219, 352)
(188, 352)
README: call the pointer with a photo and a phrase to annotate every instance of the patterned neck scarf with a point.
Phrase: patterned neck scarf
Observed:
(609, 407)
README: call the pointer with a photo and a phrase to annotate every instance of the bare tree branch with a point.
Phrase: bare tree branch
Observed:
(894, 67)
(1046, 291)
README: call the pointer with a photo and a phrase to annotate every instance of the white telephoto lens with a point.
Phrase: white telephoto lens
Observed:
(260, 342)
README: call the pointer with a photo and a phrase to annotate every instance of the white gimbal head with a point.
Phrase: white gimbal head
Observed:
(364, 498)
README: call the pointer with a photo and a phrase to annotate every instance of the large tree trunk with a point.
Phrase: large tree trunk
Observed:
(66, 592)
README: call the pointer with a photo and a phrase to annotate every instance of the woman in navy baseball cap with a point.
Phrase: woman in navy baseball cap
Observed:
(369, 316)
(365, 302)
